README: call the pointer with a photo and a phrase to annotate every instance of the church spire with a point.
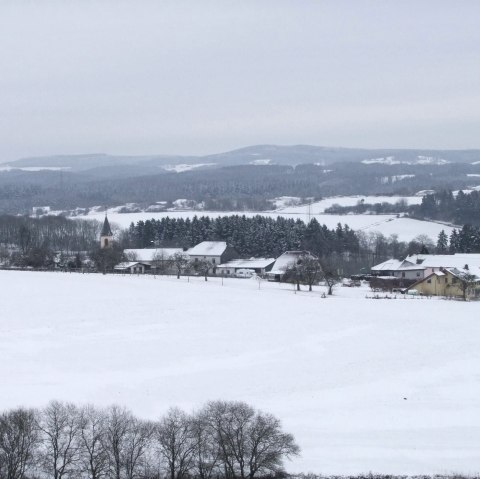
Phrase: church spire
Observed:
(106, 230)
(106, 235)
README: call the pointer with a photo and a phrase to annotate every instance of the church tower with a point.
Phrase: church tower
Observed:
(106, 236)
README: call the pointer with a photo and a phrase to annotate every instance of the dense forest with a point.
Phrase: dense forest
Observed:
(233, 188)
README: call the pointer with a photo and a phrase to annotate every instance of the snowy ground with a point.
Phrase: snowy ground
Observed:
(364, 385)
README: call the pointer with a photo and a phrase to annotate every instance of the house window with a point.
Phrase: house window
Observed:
(213, 260)
(403, 274)
(196, 260)
(418, 274)
(429, 281)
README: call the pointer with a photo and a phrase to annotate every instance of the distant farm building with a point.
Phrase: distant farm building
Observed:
(286, 261)
(216, 252)
(259, 265)
(130, 267)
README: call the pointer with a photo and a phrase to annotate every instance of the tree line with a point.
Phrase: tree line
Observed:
(230, 440)
(257, 236)
(462, 208)
(26, 241)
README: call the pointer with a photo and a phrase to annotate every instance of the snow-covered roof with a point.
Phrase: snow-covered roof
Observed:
(460, 273)
(287, 259)
(389, 265)
(125, 265)
(248, 263)
(458, 260)
(150, 254)
(408, 267)
(208, 248)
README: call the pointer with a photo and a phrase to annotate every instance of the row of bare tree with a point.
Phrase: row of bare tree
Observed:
(62, 441)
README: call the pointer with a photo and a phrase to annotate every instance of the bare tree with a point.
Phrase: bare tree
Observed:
(309, 271)
(117, 428)
(251, 442)
(329, 274)
(293, 275)
(229, 422)
(203, 266)
(207, 451)
(162, 262)
(137, 442)
(180, 263)
(176, 443)
(94, 457)
(268, 446)
(18, 442)
(467, 282)
(60, 427)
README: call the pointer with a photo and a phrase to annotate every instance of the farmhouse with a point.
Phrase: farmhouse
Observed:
(216, 252)
(449, 282)
(417, 267)
(401, 269)
(285, 261)
(259, 265)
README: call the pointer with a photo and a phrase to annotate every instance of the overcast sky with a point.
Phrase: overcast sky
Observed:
(200, 76)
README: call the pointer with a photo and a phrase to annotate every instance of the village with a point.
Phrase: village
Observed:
(455, 276)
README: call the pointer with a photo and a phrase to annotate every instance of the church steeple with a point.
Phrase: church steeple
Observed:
(106, 235)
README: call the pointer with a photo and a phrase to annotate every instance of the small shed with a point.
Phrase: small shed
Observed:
(130, 267)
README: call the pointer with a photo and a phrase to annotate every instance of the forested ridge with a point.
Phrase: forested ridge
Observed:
(233, 188)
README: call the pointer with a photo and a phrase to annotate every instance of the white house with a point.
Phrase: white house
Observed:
(217, 252)
(419, 266)
(259, 265)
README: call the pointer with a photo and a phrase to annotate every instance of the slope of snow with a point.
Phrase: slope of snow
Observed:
(35, 168)
(261, 162)
(186, 167)
(364, 385)
(389, 160)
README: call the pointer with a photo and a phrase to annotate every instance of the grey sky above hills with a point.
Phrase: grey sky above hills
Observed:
(191, 78)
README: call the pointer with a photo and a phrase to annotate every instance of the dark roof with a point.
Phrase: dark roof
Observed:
(106, 230)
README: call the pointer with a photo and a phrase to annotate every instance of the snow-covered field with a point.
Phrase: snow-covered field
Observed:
(364, 385)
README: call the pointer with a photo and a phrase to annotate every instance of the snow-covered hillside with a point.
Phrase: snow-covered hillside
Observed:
(364, 385)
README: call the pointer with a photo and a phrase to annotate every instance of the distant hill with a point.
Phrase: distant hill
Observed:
(258, 154)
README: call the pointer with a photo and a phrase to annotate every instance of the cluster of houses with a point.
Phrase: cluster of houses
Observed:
(224, 260)
(452, 275)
